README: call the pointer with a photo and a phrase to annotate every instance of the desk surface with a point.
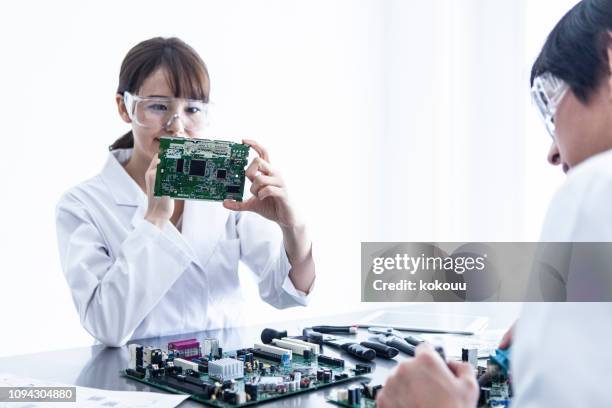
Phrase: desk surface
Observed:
(98, 366)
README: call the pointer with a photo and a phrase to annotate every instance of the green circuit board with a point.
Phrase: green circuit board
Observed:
(211, 392)
(201, 169)
(497, 394)
(363, 403)
(500, 398)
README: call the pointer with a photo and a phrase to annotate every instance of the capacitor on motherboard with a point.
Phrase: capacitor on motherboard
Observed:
(251, 391)
(354, 396)
(210, 348)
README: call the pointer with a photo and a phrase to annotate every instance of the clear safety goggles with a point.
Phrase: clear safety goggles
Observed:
(547, 92)
(160, 113)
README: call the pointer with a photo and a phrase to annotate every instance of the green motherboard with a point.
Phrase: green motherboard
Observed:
(251, 376)
(201, 169)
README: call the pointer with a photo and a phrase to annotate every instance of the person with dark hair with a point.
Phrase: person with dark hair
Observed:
(560, 351)
(143, 266)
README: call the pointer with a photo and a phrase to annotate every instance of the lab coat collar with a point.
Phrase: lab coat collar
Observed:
(121, 185)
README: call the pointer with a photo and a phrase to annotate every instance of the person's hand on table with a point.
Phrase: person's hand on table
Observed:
(427, 381)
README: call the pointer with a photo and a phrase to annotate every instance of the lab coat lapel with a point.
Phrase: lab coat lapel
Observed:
(126, 192)
(204, 225)
(139, 213)
(138, 218)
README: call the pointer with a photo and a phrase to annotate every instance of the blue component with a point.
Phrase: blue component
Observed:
(499, 402)
(502, 359)
(285, 360)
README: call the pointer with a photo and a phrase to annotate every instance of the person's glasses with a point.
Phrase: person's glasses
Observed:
(547, 92)
(160, 112)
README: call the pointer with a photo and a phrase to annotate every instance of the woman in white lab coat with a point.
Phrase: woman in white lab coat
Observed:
(561, 351)
(141, 266)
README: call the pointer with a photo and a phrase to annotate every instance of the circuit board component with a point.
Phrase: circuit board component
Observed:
(225, 369)
(201, 169)
(355, 396)
(189, 348)
(238, 378)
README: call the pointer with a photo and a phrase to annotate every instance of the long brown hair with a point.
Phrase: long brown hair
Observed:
(186, 73)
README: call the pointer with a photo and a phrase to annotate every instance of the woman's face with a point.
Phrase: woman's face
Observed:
(146, 140)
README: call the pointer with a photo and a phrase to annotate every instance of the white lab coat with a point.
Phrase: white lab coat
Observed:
(130, 280)
(561, 353)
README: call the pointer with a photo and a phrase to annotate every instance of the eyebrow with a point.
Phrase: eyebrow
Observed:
(158, 96)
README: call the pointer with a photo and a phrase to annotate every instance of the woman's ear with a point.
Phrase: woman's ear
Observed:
(122, 109)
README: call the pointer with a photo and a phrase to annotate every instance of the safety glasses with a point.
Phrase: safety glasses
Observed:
(547, 92)
(159, 113)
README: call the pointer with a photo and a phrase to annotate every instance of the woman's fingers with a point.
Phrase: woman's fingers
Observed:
(154, 162)
(261, 151)
(247, 205)
(265, 181)
(151, 173)
(251, 203)
(153, 165)
(262, 181)
(159, 209)
(271, 191)
(258, 165)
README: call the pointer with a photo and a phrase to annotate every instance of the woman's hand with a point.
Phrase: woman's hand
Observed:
(270, 201)
(160, 208)
(269, 198)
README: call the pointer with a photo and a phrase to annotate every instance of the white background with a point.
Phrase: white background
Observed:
(391, 120)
